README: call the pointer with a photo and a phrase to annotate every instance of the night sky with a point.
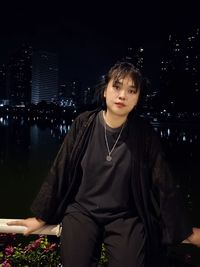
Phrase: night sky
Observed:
(90, 37)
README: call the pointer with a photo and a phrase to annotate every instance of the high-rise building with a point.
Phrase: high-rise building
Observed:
(88, 96)
(180, 72)
(44, 77)
(65, 98)
(73, 91)
(192, 60)
(135, 56)
(19, 72)
(3, 82)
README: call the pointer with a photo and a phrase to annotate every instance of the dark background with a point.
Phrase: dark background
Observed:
(91, 36)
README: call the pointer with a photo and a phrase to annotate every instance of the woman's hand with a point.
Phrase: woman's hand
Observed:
(31, 224)
(194, 238)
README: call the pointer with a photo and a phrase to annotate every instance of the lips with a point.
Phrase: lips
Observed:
(119, 104)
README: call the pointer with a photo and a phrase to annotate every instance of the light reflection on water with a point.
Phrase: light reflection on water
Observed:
(179, 135)
(29, 145)
(59, 129)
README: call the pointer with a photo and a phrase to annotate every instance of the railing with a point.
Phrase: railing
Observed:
(178, 257)
(45, 230)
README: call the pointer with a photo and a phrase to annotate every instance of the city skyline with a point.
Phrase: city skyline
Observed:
(89, 38)
(179, 70)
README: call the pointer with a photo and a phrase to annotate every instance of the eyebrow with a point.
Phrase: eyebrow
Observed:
(121, 83)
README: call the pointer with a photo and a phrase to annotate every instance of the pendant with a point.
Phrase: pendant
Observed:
(108, 158)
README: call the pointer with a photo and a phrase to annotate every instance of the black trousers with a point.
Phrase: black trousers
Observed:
(82, 237)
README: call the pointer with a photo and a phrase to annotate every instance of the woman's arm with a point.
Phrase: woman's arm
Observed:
(32, 224)
(194, 238)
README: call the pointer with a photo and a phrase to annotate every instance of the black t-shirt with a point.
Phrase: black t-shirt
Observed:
(104, 192)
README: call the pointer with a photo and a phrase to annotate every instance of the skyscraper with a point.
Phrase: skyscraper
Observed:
(180, 72)
(19, 72)
(2, 82)
(44, 77)
(135, 56)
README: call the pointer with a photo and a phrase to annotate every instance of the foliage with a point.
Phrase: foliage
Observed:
(39, 252)
(104, 257)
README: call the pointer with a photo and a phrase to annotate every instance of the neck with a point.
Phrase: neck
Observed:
(112, 120)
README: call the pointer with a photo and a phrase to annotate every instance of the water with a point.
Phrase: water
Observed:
(27, 150)
(28, 147)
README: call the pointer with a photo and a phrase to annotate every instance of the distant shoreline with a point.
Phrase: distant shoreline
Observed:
(193, 124)
(69, 113)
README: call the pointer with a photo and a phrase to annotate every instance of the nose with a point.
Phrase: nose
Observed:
(122, 95)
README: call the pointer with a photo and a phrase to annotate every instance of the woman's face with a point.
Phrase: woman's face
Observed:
(121, 96)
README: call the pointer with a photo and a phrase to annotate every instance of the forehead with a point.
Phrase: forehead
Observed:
(126, 80)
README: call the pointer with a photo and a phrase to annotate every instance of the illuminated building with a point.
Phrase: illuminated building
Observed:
(44, 77)
(19, 76)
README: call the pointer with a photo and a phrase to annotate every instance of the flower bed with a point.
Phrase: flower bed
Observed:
(16, 251)
(20, 251)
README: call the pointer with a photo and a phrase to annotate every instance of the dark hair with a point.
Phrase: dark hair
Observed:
(119, 71)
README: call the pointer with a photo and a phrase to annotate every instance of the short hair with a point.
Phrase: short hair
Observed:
(120, 70)
(123, 69)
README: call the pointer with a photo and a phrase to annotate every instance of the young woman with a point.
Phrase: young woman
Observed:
(111, 183)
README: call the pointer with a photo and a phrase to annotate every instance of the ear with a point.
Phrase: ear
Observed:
(104, 93)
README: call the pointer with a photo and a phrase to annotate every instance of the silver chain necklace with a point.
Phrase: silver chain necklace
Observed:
(108, 157)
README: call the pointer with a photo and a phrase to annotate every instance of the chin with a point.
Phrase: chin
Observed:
(121, 113)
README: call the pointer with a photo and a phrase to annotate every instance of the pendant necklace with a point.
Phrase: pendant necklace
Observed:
(108, 157)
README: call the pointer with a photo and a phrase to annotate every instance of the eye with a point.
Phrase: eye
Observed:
(116, 87)
(132, 91)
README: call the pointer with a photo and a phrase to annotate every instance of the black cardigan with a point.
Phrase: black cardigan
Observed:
(156, 197)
